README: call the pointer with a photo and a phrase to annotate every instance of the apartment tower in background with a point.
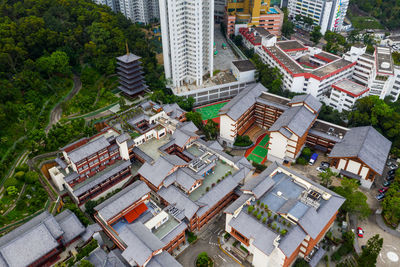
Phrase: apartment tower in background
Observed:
(187, 29)
(329, 14)
(140, 11)
(250, 13)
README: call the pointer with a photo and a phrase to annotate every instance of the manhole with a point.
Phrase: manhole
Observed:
(392, 256)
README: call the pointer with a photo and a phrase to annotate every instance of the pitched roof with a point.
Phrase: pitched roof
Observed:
(183, 178)
(243, 101)
(253, 229)
(308, 99)
(128, 58)
(298, 119)
(365, 143)
(186, 208)
(141, 243)
(237, 203)
(122, 200)
(99, 257)
(70, 225)
(122, 138)
(163, 259)
(292, 241)
(88, 149)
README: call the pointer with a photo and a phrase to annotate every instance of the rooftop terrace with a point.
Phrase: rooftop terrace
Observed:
(151, 146)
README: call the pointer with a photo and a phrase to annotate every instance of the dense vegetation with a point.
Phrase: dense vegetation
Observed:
(42, 42)
(387, 11)
(391, 203)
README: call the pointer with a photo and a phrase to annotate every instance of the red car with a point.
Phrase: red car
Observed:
(360, 232)
(383, 189)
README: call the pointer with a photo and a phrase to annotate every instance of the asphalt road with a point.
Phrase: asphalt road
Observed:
(55, 114)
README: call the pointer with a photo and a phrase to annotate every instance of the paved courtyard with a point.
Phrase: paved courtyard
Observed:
(222, 61)
(208, 242)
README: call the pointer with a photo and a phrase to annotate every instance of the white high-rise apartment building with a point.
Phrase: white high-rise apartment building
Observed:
(141, 11)
(329, 14)
(187, 28)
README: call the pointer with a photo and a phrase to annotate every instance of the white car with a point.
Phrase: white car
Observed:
(320, 169)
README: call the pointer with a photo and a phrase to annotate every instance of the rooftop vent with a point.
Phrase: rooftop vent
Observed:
(279, 193)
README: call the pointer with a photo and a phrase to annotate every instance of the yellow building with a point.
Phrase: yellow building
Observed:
(253, 13)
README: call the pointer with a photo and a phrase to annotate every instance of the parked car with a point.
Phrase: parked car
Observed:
(380, 196)
(387, 183)
(325, 164)
(313, 159)
(321, 169)
(383, 189)
(393, 167)
(390, 177)
(360, 232)
(391, 172)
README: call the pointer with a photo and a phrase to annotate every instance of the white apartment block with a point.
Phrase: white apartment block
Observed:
(376, 71)
(140, 11)
(187, 28)
(305, 70)
(329, 14)
(345, 93)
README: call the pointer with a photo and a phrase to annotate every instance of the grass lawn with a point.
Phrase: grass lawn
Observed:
(362, 23)
(260, 151)
(210, 112)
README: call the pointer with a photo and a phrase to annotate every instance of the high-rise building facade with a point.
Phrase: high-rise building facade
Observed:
(329, 14)
(187, 28)
(140, 11)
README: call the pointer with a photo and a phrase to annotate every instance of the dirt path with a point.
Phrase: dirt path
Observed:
(56, 112)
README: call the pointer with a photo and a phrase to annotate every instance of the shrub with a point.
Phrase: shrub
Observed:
(283, 232)
(19, 175)
(269, 214)
(262, 212)
(266, 207)
(258, 202)
(243, 141)
(274, 226)
(259, 167)
(227, 235)
(85, 251)
(244, 249)
(259, 216)
(275, 216)
(207, 188)
(191, 237)
(255, 213)
(264, 219)
(284, 222)
(301, 161)
(203, 260)
(219, 180)
(250, 209)
(262, 205)
(12, 191)
(235, 243)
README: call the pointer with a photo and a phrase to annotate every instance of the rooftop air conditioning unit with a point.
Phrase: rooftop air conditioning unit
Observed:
(279, 193)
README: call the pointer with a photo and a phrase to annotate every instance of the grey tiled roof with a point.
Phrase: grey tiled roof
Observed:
(70, 225)
(183, 178)
(61, 163)
(173, 110)
(71, 176)
(103, 176)
(314, 221)
(88, 149)
(163, 259)
(182, 136)
(298, 119)
(310, 100)
(180, 201)
(365, 143)
(99, 258)
(123, 137)
(253, 229)
(292, 241)
(263, 187)
(174, 232)
(128, 58)
(141, 243)
(122, 200)
(90, 230)
(219, 191)
(143, 155)
(188, 126)
(237, 203)
(243, 101)
(157, 172)
(31, 241)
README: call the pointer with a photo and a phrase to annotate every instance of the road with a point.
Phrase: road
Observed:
(208, 242)
(56, 112)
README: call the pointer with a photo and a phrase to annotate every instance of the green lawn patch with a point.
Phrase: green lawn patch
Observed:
(362, 23)
(210, 112)
(260, 151)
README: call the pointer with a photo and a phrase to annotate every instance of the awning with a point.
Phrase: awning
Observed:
(135, 213)
(350, 174)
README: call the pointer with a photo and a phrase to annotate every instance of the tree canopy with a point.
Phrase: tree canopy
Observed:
(371, 251)
(387, 11)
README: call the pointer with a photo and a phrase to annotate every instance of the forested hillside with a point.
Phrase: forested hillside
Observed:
(387, 11)
(42, 42)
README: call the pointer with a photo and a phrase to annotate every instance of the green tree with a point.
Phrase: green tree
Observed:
(89, 207)
(12, 191)
(356, 201)
(287, 26)
(326, 177)
(211, 130)
(316, 34)
(370, 252)
(85, 263)
(31, 177)
(195, 117)
(238, 40)
(203, 260)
